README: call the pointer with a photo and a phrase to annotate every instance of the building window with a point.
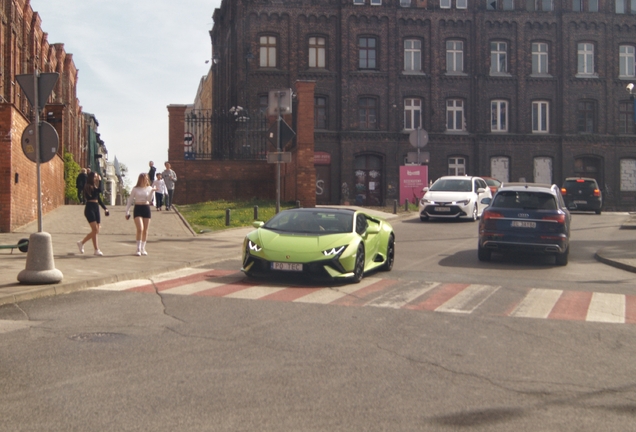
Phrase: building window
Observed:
(585, 117)
(317, 52)
(498, 57)
(628, 175)
(626, 118)
(498, 116)
(461, 4)
(585, 5)
(376, 2)
(455, 115)
(367, 52)
(412, 55)
(539, 58)
(320, 112)
(367, 113)
(405, 3)
(445, 4)
(500, 168)
(456, 166)
(263, 103)
(543, 170)
(267, 51)
(358, 2)
(540, 5)
(626, 63)
(585, 59)
(508, 4)
(620, 6)
(412, 114)
(540, 117)
(454, 56)
(491, 4)
(625, 6)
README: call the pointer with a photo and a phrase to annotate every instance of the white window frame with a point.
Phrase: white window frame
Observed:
(500, 168)
(456, 166)
(405, 3)
(455, 118)
(498, 57)
(543, 162)
(628, 175)
(412, 113)
(627, 62)
(620, 7)
(541, 117)
(540, 58)
(267, 51)
(444, 4)
(317, 52)
(358, 2)
(412, 55)
(585, 58)
(498, 115)
(508, 5)
(456, 55)
(461, 4)
(376, 2)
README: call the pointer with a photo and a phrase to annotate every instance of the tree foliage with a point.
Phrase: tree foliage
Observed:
(71, 171)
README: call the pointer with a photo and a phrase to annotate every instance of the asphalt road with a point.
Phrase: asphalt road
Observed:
(146, 358)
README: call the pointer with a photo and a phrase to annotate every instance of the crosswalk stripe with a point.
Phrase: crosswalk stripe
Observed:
(608, 308)
(469, 299)
(255, 292)
(329, 295)
(441, 294)
(537, 304)
(397, 299)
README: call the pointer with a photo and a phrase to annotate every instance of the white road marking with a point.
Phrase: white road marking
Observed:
(609, 308)
(537, 304)
(469, 299)
(328, 295)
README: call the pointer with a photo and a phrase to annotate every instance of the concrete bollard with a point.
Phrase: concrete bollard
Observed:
(227, 217)
(255, 212)
(406, 205)
(40, 265)
(395, 206)
(297, 204)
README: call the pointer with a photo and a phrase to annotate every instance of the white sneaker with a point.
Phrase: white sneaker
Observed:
(138, 253)
(143, 252)
(98, 253)
(80, 246)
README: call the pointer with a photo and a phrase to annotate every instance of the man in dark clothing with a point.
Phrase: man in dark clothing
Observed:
(80, 182)
(151, 173)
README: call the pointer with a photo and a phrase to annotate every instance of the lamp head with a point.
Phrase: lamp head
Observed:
(630, 87)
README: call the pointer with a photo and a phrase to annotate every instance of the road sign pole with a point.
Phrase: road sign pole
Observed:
(38, 158)
(278, 149)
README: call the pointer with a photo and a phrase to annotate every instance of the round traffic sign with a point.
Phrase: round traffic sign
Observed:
(418, 138)
(49, 142)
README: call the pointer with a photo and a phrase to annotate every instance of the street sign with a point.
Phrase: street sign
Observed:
(287, 134)
(278, 157)
(279, 99)
(418, 138)
(49, 142)
(46, 82)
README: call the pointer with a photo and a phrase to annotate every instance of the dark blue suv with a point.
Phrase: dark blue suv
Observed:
(526, 217)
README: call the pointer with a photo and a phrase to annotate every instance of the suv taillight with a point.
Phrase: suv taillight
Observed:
(597, 193)
(487, 214)
(564, 191)
(560, 218)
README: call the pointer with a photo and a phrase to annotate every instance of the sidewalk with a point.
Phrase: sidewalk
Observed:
(171, 246)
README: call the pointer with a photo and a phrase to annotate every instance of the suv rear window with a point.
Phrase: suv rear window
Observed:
(584, 185)
(525, 200)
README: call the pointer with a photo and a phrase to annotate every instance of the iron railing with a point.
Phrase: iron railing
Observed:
(225, 135)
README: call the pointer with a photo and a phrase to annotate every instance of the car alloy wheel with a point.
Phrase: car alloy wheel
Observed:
(390, 254)
(474, 217)
(358, 270)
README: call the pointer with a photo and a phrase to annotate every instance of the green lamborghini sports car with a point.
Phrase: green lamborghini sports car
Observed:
(320, 243)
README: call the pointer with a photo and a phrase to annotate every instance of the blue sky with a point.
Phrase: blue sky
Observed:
(134, 58)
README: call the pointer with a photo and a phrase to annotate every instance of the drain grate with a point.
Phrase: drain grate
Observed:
(96, 337)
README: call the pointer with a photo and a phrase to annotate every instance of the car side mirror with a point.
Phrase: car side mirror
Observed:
(258, 224)
(481, 190)
(373, 229)
(486, 201)
(425, 189)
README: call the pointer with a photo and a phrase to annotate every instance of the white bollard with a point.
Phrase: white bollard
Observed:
(40, 266)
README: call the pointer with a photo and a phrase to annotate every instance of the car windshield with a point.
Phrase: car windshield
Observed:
(524, 200)
(452, 185)
(312, 222)
(492, 182)
(584, 185)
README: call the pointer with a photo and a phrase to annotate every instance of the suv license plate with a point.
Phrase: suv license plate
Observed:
(287, 266)
(524, 224)
(580, 202)
(442, 209)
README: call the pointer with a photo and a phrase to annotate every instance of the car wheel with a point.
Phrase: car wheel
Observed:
(358, 269)
(562, 258)
(390, 255)
(598, 211)
(474, 216)
(483, 254)
(423, 218)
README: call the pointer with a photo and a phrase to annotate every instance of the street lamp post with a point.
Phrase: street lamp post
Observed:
(630, 90)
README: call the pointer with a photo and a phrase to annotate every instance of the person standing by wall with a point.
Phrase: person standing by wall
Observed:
(151, 172)
(169, 177)
(160, 191)
(93, 198)
(80, 182)
(142, 196)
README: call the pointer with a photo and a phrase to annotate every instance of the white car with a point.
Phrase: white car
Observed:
(454, 197)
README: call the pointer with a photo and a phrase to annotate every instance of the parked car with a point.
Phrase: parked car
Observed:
(320, 243)
(582, 193)
(493, 184)
(454, 197)
(526, 217)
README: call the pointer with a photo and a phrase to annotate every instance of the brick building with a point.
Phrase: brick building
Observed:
(514, 89)
(25, 46)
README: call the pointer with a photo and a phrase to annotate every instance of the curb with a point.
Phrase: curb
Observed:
(614, 263)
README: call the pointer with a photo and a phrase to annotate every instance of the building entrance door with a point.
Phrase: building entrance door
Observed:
(368, 185)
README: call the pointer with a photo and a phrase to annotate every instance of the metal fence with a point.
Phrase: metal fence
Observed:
(226, 135)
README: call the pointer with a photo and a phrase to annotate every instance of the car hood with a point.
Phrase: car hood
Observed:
(288, 242)
(444, 196)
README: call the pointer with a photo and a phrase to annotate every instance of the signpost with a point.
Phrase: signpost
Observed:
(279, 102)
(39, 147)
(418, 138)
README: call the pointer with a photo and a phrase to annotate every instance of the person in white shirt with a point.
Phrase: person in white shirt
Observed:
(160, 191)
(142, 196)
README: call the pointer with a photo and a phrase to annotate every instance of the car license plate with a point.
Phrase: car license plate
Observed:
(287, 266)
(443, 209)
(524, 224)
(580, 202)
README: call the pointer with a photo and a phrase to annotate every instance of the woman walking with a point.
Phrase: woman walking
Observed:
(93, 198)
(142, 196)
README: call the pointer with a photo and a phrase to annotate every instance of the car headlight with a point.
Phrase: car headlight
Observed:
(334, 251)
(253, 246)
(463, 203)
(426, 201)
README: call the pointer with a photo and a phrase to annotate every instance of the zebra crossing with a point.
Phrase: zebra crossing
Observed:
(455, 298)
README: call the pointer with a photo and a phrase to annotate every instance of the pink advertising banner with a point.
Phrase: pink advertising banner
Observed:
(413, 178)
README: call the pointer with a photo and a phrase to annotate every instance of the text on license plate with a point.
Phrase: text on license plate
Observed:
(580, 202)
(442, 209)
(524, 224)
(287, 266)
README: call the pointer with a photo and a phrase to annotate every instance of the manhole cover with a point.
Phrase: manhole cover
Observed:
(96, 337)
